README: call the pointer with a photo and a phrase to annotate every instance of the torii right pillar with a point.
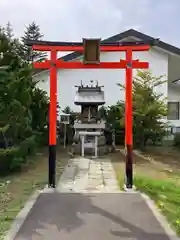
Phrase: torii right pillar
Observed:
(129, 122)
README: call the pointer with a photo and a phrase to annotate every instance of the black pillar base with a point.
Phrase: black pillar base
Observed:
(52, 166)
(129, 167)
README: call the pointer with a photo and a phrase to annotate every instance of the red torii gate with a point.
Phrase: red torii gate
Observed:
(55, 63)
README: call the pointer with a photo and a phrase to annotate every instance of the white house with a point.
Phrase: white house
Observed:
(164, 59)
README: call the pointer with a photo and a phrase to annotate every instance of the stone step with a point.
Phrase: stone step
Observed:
(88, 175)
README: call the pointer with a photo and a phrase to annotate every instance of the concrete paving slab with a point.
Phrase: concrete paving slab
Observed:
(107, 216)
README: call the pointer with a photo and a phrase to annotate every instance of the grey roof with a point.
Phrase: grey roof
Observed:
(89, 97)
(120, 36)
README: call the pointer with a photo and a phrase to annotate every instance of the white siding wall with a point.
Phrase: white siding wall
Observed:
(68, 78)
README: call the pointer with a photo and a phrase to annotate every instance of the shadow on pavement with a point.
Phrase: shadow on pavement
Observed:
(91, 216)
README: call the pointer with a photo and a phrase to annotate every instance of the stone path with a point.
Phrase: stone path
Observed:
(88, 175)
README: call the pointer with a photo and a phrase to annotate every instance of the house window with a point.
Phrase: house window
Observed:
(173, 110)
(178, 129)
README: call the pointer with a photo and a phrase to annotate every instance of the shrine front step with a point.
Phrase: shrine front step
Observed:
(102, 150)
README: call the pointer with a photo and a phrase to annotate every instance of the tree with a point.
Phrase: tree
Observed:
(32, 33)
(102, 112)
(149, 108)
(9, 49)
(72, 116)
(15, 103)
(112, 115)
(9, 30)
(23, 107)
(67, 110)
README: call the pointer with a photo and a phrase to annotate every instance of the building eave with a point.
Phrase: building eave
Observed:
(118, 37)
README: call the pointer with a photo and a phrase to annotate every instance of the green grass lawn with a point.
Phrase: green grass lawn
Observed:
(165, 194)
(159, 179)
(16, 189)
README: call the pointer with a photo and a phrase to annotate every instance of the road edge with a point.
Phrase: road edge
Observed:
(160, 218)
(22, 215)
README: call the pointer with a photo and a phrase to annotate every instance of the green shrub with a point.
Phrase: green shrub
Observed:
(177, 140)
(13, 158)
(7, 156)
(42, 138)
(28, 146)
(16, 163)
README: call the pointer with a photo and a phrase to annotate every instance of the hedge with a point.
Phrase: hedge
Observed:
(13, 158)
(177, 140)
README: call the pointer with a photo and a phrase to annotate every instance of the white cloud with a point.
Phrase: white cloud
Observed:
(73, 19)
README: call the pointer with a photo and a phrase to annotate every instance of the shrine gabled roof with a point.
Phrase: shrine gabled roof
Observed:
(93, 98)
(119, 37)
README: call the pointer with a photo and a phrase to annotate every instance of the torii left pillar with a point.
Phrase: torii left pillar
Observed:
(52, 120)
(129, 121)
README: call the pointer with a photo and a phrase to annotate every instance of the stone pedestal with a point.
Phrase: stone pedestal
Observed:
(89, 147)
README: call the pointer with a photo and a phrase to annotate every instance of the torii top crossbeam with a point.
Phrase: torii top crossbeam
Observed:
(78, 46)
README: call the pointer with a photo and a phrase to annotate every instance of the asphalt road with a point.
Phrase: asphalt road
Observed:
(77, 216)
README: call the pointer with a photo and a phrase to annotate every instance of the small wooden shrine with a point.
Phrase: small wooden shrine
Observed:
(89, 128)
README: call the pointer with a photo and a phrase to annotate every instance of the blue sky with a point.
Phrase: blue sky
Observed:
(70, 20)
